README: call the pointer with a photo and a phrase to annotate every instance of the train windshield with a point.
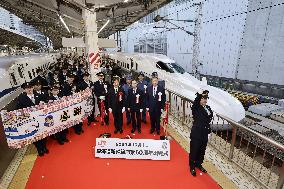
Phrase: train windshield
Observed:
(177, 68)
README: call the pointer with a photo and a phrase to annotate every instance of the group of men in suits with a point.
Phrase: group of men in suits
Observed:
(135, 98)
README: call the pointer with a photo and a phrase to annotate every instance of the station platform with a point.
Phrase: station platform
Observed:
(73, 165)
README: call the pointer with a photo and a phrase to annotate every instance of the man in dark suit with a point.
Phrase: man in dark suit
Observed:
(69, 87)
(86, 83)
(142, 85)
(156, 99)
(135, 101)
(60, 136)
(202, 116)
(40, 92)
(125, 88)
(40, 77)
(27, 99)
(101, 91)
(116, 99)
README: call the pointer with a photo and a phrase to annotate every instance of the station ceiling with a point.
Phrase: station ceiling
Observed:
(44, 15)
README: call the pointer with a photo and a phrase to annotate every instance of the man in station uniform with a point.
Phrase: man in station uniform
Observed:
(40, 77)
(60, 136)
(142, 85)
(125, 88)
(68, 86)
(135, 101)
(63, 75)
(27, 99)
(39, 91)
(116, 99)
(156, 99)
(86, 83)
(67, 89)
(101, 91)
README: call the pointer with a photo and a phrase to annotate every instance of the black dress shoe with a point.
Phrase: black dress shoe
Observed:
(121, 131)
(78, 133)
(202, 169)
(61, 142)
(133, 130)
(115, 131)
(128, 123)
(46, 151)
(152, 131)
(66, 140)
(193, 172)
(158, 132)
(139, 130)
(89, 123)
(41, 154)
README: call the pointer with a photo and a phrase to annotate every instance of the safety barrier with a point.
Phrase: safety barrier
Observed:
(256, 154)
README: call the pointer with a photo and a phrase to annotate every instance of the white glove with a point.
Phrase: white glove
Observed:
(209, 135)
(102, 97)
(147, 109)
(123, 109)
(128, 109)
(110, 110)
(162, 110)
(141, 110)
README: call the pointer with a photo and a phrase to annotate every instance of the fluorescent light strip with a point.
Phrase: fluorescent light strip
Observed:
(103, 26)
(61, 19)
(125, 1)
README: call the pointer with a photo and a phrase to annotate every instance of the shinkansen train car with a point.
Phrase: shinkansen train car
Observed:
(15, 70)
(179, 81)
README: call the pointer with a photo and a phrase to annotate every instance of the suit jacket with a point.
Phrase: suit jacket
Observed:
(42, 80)
(99, 89)
(24, 101)
(131, 99)
(53, 98)
(66, 89)
(43, 94)
(113, 99)
(201, 122)
(83, 85)
(152, 102)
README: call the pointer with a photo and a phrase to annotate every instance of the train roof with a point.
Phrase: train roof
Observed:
(7, 61)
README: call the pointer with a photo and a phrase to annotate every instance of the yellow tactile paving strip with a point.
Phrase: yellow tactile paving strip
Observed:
(22, 175)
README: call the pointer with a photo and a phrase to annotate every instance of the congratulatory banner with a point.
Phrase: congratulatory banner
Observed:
(25, 126)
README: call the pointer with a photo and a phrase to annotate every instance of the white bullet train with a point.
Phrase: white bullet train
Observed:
(179, 81)
(15, 70)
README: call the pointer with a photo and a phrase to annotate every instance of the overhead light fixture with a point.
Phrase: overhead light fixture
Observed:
(104, 26)
(125, 1)
(64, 24)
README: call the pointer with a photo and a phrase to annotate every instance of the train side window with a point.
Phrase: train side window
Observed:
(30, 75)
(136, 66)
(132, 64)
(20, 72)
(127, 66)
(163, 66)
(13, 78)
(33, 72)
